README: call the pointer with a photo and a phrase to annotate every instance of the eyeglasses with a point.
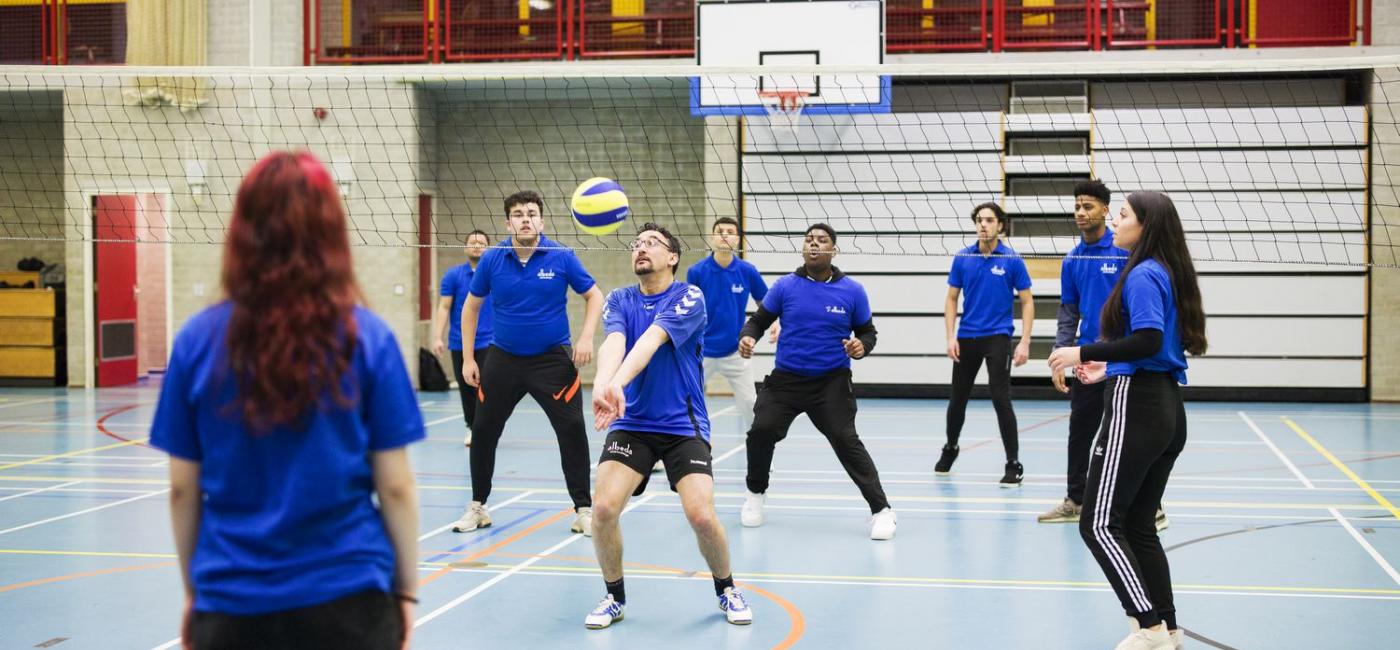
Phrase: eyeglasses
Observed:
(650, 242)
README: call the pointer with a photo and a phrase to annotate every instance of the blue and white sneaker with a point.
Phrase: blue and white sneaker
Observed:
(736, 609)
(607, 612)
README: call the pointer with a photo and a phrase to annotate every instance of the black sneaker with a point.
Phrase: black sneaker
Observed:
(1013, 475)
(945, 461)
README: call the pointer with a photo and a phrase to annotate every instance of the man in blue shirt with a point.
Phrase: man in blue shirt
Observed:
(820, 308)
(989, 274)
(1087, 276)
(727, 282)
(455, 285)
(527, 278)
(649, 394)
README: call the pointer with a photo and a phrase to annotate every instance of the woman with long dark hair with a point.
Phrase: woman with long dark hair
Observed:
(284, 409)
(1149, 323)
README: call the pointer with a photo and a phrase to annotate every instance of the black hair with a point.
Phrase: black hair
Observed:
(1093, 187)
(996, 209)
(523, 197)
(831, 232)
(1164, 240)
(672, 244)
(478, 231)
(729, 221)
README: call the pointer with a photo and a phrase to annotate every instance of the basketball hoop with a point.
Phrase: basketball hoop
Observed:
(784, 108)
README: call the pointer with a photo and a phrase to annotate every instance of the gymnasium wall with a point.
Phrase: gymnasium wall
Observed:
(1384, 344)
(31, 179)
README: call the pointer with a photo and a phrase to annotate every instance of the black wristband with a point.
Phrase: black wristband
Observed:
(407, 597)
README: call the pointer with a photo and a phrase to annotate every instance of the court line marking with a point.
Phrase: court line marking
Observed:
(83, 574)
(440, 529)
(438, 421)
(1365, 545)
(76, 452)
(38, 490)
(32, 401)
(83, 512)
(1343, 467)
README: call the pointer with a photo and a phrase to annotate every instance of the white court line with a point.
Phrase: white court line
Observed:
(438, 421)
(498, 506)
(1277, 452)
(1366, 546)
(514, 570)
(36, 491)
(5, 405)
(83, 512)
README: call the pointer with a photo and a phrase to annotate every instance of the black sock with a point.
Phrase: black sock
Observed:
(618, 593)
(723, 583)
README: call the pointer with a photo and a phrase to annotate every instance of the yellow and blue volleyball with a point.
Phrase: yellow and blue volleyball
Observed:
(599, 206)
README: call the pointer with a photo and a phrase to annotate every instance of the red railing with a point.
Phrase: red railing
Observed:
(474, 30)
(936, 26)
(368, 31)
(1176, 23)
(1301, 23)
(655, 28)
(57, 32)
(1045, 25)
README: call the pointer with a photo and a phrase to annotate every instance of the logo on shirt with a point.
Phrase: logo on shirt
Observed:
(738, 288)
(699, 462)
(691, 297)
(621, 450)
(1109, 268)
(545, 274)
(835, 309)
(997, 270)
(1098, 451)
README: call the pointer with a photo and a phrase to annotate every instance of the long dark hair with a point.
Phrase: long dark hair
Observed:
(1162, 239)
(287, 271)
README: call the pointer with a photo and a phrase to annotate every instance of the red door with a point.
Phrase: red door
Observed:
(114, 283)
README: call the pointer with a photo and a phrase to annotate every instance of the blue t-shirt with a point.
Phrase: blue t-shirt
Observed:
(1086, 279)
(989, 284)
(530, 299)
(456, 283)
(816, 318)
(668, 396)
(1149, 302)
(287, 519)
(727, 292)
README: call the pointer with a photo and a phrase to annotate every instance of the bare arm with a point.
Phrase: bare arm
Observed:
(398, 507)
(592, 310)
(185, 505)
(608, 402)
(950, 322)
(1023, 349)
(471, 314)
(444, 312)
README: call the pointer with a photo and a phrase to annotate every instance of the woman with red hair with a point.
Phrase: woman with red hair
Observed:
(285, 409)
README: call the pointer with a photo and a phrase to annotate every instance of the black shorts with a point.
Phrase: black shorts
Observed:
(683, 455)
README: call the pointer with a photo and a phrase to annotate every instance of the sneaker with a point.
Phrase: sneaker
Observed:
(945, 460)
(475, 517)
(1065, 513)
(1178, 639)
(736, 609)
(607, 612)
(658, 467)
(1012, 477)
(751, 515)
(1161, 520)
(1146, 640)
(882, 524)
(467, 442)
(583, 522)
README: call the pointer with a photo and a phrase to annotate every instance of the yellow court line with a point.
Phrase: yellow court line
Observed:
(961, 581)
(32, 551)
(78, 452)
(1343, 467)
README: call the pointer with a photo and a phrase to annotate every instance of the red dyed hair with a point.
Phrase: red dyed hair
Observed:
(288, 272)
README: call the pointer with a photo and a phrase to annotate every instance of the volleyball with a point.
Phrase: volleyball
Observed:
(599, 206)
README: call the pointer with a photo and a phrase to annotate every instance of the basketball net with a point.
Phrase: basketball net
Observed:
(784, 108)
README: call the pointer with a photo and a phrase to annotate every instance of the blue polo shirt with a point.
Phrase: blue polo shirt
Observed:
(816, 318)
(989, 284)
(530, 299)
(287, 520)
(456, 283)
(1149, 302)
(1087, 277)
(668, 396)
(727, 292)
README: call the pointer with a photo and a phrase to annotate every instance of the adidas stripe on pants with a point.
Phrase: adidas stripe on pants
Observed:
(1143, 432)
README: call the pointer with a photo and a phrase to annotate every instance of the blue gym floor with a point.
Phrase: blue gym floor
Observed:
(1282, 536)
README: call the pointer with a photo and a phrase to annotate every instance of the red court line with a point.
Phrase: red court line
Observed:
(102, 424)
(1032, 427)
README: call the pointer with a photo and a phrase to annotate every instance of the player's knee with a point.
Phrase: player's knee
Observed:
(605, 513)
(702, 520)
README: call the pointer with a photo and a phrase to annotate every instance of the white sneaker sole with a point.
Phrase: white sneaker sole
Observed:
(460, 529)
(599, 626)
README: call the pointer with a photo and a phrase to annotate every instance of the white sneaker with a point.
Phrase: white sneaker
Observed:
(607, 612)
(882, 524)
(475, 517)
(1160, 521)
(736, 609)
(1146, 640)
(467, 442)
(751, 515)
(583, 522)
(658, 467)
